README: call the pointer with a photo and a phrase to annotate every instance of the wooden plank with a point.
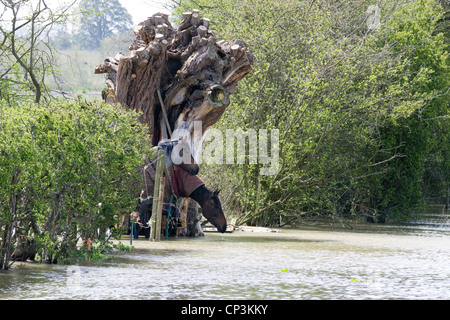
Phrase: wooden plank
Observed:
(157, 201)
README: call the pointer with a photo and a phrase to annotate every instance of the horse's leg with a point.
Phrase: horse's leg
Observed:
(192, 218)
(199, 229)
(183, 208)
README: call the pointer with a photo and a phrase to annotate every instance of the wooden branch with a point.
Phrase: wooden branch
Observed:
(158, 197)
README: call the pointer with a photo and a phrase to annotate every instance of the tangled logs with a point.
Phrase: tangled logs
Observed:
(185, 70)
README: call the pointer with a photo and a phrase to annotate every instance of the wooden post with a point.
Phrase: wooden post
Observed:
(160, 207)
(158, 196)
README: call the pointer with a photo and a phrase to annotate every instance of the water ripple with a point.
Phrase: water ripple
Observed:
(295, 264)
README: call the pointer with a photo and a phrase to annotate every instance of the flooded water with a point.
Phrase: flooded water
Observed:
(369, 262)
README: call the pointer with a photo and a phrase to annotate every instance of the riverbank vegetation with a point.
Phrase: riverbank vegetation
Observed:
(359, 94)
(67, 167)
(68, 170)
(362, 106)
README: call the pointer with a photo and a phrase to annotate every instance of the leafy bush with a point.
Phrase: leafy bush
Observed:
(356, 106)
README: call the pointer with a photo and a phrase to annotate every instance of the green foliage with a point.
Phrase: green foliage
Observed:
(354, 106)
(99, 29)
(419, 137)
(124, 248)
(67, 169)
(77, 65)
(101, 19)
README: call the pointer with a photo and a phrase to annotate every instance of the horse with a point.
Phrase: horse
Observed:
(181, 180)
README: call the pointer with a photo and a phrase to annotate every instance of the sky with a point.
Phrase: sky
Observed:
(142, 9)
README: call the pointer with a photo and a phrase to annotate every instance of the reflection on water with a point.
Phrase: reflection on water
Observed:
(369, 262)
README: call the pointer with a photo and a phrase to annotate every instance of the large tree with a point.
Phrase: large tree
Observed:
(101, 19)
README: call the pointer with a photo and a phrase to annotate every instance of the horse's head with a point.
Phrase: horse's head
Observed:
(212, 210)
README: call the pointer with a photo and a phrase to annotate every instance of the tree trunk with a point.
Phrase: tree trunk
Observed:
(4, 249)
(193, 73)
(175, 77)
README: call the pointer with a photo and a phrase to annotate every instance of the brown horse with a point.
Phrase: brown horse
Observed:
(181, 181)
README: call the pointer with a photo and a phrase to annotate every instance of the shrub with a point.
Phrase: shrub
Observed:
(67, 170)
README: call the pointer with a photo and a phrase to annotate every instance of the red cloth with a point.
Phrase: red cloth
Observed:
(183, 183)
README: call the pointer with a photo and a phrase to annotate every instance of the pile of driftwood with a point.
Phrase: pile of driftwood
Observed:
(176, 76)
(185, 70)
